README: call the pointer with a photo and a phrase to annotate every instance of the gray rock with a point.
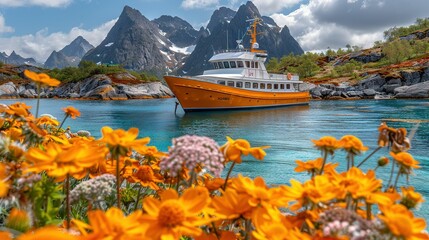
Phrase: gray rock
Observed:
(420, 90)
(8, 90)
(394, 81)
(28, 93)
(369, 92)
(74, 95)
(425, 75)
(389, 89)
(372, 82)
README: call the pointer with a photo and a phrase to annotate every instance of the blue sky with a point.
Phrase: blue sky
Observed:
(34, 28)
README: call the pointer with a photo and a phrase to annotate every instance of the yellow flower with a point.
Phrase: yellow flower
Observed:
(327, 143)
(41, 78)
(402, 223)
(173, 217)
(121, 141)
(71, 112)
(146, 177)
(59, 160)
(47, 233)
(233, 149)
(352, 144)
(410, 198)
(112, 225)
(405, 159)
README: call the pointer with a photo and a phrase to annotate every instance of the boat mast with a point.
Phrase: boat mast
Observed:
(253, 33)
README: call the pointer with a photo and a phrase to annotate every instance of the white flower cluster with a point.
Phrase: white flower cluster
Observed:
(190, 151)
(94, 190)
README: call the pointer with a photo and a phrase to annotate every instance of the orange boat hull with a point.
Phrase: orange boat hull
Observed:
(195, 95)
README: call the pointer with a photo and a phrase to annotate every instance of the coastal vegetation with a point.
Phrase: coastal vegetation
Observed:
(352, 63)
(121, 187)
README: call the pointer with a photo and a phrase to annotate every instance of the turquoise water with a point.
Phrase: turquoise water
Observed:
(287, 130)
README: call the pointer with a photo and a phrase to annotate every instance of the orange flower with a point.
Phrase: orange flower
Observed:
(233, 149)
(4, 183)
(71, 112)
(47, 233)
(112, 225)
(173, 217)
(317, 190)
(18, 109)
(59, 160)
(146, 177)
(410, 198)
(314, 166)
(46, 120)
(352, 144)
(41, 78)
(405, 159)
(327, 143)
(232, 205)
(18, 220)
(402, 223)
(121, 142)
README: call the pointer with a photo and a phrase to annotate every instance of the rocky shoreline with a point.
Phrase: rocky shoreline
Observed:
(406, 84)
(97, 87)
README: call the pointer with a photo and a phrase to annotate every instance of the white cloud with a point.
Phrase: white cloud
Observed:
(44, 3)
(272, 6)
(3, 27)
(41, 44)
(335, 23)
(192, 4)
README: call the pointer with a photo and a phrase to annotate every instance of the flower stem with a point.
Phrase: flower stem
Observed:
(227, 176)
(138, 198)
(375, 150)
(325, 156)
(118, 184)
(68, 201)
(38, 100)
(397, 178)
(62, 123)
(368, 211)
(391, 175)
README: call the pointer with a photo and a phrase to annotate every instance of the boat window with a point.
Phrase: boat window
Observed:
(253, 64)
(233, 65)
(215, 66)
(247, 85)
(282, 86)
(255, 85)
(220, 65)
(221, 82)
(239, 84)
(240, 64)
(287, 86)
(247, 64)
(231, 83)
(262, 85)
(226, 64)
(256, 65)
(276, 86)
(269, 86)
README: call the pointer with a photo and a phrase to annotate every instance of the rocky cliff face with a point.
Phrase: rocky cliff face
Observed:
(177, 30)
(223, 35)
(135, 43)
(70, 55)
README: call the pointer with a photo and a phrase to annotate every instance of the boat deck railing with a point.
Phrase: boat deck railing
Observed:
(282, 77)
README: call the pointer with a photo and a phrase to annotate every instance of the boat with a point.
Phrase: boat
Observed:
(238, 80)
